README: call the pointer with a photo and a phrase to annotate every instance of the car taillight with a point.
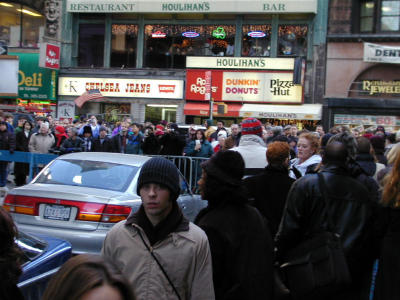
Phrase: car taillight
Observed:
(21, 205)
(89, 211)
(115, 213)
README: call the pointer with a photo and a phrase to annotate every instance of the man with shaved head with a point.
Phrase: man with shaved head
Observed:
(350, 209)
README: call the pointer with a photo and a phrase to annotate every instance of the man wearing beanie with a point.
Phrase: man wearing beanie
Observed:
(241, 244)
(102, 143)
(163, 255)
(252, 147)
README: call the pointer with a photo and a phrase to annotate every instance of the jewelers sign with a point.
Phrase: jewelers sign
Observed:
(272, 87)
(381, 54)
(118, 87)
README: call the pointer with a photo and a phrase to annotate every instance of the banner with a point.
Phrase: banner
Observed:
(35, 82)
(272, 87)
(381, 54)
(119, 87)
(66, 110)
(366, 120)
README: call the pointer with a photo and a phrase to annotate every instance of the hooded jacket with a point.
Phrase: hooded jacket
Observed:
(314, 160)
(253, 151)
(184, 255)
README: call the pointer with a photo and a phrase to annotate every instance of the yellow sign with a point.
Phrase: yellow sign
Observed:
(381, 87)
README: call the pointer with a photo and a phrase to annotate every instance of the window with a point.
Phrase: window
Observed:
(166, 46)
(379, 16)
(123, 45)
(256, 40)
(91, 45)
(20, 26)
(292, 40)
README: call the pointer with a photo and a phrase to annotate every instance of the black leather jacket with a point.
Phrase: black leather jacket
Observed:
(350, 207)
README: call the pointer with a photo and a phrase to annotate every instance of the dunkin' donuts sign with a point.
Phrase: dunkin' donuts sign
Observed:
(275, 87)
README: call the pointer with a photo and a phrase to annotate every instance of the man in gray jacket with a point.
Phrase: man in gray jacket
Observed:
(162, 254)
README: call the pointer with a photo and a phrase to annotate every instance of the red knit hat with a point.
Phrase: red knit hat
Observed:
(251, 126)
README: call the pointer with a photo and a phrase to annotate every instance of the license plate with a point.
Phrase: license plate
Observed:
(57, 212)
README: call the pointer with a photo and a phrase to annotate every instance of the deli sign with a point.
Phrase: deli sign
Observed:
(269, 87)
(121, 87)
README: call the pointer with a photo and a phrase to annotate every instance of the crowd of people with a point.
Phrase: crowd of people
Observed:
(265, 197)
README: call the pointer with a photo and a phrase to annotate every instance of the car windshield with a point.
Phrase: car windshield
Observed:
(87, 173)
(30, 246)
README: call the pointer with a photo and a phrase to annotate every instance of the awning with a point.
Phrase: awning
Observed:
(293, 112)
(203, 109)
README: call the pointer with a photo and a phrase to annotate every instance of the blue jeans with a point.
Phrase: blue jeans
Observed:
(3, 173)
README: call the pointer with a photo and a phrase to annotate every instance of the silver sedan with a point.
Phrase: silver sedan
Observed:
(80, 196)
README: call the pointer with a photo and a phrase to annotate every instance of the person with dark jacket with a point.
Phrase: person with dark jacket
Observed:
(102, 143)
(269, 189)
(171, 142)
(151, 143)
(120, 140)
(10, 258)
(240, 242)
(21, 170)
(72, 144)
(387, 279)
(7, 142)
(350, 209)
(378, 143)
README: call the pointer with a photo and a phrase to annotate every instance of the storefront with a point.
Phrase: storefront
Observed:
(151, 40)
(144, 99)
(37, 91)
(248, 87)
(363, 86)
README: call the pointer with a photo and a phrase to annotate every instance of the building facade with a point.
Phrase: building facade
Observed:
(363, 50)
(137, 54)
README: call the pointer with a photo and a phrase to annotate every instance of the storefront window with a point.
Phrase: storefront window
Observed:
(156, 112)
(166, 46)
(91, 45)
(123, 45)
(390, 15)
(256, 40)
(12, 15)
(292, 40)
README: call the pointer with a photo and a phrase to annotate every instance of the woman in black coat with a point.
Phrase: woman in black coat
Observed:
(240, 242)
(21, 170)
(387, 282)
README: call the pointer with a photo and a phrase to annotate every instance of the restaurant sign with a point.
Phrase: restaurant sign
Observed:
(273, 87)
(381, 54)
(187, 6)
(118, 87)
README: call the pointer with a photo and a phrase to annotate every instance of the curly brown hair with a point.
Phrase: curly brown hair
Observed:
(313, 139)
(391, 189)
(277, 152)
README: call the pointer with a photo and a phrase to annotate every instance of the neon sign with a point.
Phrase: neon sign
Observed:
(219, 33)
(190, 34)
(158, 34)
(256, 34)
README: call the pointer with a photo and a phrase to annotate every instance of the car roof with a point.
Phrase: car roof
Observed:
(119, 158)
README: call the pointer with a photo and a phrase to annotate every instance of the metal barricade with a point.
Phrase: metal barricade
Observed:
(190, 167)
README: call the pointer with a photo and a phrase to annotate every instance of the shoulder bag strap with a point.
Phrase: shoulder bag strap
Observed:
(323, 189)
(159, 264)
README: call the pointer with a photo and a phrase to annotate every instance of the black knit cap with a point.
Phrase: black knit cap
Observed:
(162, 171)
(227, 166)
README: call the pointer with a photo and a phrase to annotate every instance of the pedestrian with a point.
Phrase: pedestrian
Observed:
(219, 144)
(73, 143)
(88, 277)
(21, 170)
(378, 144)
(209, 129)
(391, 158)
(252, 147)
(233, 139)
(171, 142)
(7, 142)
(60, 136)
(269, 189)
(10, 258)
(349, 209)
(308, 157)
(135, 140)
(366, 159)
(87, 138)
(20, 125)
(240, 241)
(120, 140)
(151, 144)
(220, 126)
(102, 143)
(387, 286)
(41, 141)
(163, 255)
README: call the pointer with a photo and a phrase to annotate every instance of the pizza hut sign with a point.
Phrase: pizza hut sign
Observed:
(49, 56)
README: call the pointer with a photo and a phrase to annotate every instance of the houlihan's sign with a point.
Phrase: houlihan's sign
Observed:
(186, 6)
(252, 63)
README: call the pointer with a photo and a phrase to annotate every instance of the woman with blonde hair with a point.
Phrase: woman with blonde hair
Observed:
(387, 283)
(391, 157)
